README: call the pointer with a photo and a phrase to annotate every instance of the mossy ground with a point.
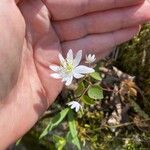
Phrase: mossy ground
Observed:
(134, 58)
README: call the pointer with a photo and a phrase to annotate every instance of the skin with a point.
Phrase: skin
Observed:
(34, 34)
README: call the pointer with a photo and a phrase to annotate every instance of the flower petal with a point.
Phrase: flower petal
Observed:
(54, 68)
(55, 75)
(78, 76)
(90, 58)
(70, 103)
(69, 80)
(61, 58)
(90, 55)
(73, 106)
(77, 108)
(83, 70)
(70, 56)
(77, 58)
(93, 57)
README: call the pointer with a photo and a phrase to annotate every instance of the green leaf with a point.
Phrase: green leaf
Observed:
(72, 124)
(55, 121)
(80, 89)
(76, 142)
(60, 142)
(72, 140)
(73, 130)
(95, 92)
(96, 76)
(69, 136)
(87, 100)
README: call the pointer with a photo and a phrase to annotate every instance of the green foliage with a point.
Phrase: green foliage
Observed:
(96, 76)
(88, 91)
(55, 121)
(73, 130)
(80, 89)
(95, 92)
(87, 100)
(60, 142)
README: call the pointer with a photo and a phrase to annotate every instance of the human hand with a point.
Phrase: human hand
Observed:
(52, 26)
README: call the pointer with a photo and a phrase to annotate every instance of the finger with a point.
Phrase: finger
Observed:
(102, 22)
(100, 43)
(64, 9)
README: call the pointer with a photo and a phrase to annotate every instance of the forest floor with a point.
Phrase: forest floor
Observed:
(121, 121)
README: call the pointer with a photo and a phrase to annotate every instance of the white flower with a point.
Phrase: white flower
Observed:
(70, 68)
(90, 59)
(75, 105)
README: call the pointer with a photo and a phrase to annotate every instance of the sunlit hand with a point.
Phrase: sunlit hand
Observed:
(31, 36)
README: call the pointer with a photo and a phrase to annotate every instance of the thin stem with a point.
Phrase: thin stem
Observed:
(83, 92)
(109, 90)
(125, 124)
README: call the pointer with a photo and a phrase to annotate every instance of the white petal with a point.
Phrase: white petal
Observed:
(70, 56)
(83, 69)
(90, 58)
(77, 108)
(69, 80)
(71, 103)
(78, 76)
(64, 79)
(93, 57)
(90, 55)
(77, 58)
(86, 57)
(54, 68)
(73, 106)
(55, 75)
(66, 76)
(61, 58)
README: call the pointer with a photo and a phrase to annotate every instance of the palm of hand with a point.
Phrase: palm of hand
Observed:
(33, 90)
(40, 48)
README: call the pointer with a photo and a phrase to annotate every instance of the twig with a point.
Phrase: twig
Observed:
(108, 90)
(83, 92)
(124, 124)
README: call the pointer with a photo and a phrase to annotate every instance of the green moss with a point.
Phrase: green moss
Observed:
(134, 58)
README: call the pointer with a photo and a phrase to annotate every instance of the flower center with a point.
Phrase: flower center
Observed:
(69, 68)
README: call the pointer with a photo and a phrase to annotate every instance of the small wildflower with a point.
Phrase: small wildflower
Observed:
(70, 68)
(90, 59)
(75, 105)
